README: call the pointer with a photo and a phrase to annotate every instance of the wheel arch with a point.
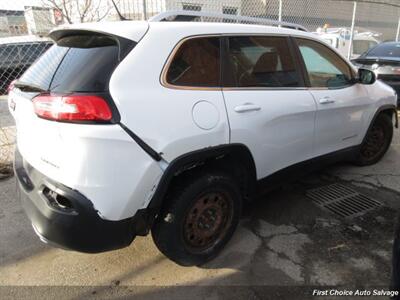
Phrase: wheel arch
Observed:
(389, 110)
(232, 157)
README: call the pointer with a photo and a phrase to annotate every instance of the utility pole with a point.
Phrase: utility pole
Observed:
(144, 10)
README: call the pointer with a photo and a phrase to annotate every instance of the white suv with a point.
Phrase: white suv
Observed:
(128, 127)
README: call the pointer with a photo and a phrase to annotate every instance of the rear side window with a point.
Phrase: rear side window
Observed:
(257, 61)
(196, 63)
(76, 64)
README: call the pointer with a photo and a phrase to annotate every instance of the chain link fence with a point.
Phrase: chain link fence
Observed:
(24, 24)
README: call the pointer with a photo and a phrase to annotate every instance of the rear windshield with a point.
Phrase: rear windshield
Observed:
(386, 50)
(75, 64)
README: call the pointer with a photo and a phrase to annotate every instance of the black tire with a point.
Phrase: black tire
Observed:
(376, 142)
(198, 219)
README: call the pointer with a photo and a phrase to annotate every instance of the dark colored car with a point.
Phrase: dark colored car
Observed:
(384, 60)
(16, 55)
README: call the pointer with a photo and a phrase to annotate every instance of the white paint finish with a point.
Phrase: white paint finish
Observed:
(205, 115)
(345, 122)
(38, 140)
(100, 161)
(133, 30)
(162, 116)
(278, 135)
(339, 123)
(108, 167)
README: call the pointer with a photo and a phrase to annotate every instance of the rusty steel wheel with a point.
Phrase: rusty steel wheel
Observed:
(376, 142)
(207, 221)
(199, 218)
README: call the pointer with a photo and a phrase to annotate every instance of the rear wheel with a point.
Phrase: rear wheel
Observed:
(199, 219)
(377, 141)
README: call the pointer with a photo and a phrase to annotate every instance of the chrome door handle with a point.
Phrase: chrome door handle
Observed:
(246, 107)
(326, 100)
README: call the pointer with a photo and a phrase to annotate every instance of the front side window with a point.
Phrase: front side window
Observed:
(196, 63)
(257, 61)
(324, 67)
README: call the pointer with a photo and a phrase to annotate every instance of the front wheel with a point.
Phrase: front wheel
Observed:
(376, 142)
(199, 219)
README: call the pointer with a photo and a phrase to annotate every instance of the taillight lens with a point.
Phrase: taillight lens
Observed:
(72, 108)
(11, 86)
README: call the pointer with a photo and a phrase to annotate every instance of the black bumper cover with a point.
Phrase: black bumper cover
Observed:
(75, 227)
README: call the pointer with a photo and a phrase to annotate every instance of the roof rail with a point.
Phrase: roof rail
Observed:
(187, 15)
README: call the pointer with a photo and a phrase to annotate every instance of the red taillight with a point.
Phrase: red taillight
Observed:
(11, 86)
(72, 108)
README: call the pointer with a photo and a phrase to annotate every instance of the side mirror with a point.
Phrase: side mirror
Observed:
(366, 76)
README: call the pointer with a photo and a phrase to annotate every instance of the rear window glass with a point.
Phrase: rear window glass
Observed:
(75, 64)
(386, 50)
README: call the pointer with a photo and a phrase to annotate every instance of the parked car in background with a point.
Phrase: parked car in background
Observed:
(384, 60)
(128, 127)
(17, 54)
(339, 38)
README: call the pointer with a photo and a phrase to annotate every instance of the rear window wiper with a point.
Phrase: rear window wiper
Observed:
(28, 87)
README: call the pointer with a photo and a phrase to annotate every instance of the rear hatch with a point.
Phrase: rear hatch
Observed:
(73, 74)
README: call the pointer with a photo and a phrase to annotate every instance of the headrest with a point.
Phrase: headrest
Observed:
(267, 63)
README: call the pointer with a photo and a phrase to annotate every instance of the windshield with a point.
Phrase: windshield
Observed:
(76, 64)
(386, 50)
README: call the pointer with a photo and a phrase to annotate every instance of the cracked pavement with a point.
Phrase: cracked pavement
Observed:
(285, 245)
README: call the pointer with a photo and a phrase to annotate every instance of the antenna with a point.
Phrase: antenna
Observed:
(121, 17)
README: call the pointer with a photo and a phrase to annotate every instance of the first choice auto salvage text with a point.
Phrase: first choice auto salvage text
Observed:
(337, 292)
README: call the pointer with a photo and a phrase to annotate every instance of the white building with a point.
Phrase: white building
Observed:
(39, 20)
(140, 9)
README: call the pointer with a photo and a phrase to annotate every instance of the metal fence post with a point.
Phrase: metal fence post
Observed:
(144, 10)
(353, 21)
(280, 12)
(398, 31)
